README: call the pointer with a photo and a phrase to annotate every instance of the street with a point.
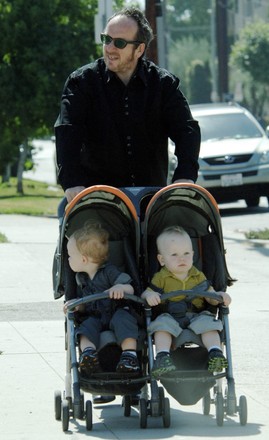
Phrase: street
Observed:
(32, 340)
(44, 162)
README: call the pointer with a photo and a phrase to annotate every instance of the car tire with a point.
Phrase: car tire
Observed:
(252, 201)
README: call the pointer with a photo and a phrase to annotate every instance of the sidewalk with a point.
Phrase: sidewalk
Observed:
(33, 359)
(31, 329)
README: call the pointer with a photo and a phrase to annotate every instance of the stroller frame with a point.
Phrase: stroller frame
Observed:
(148, 211)
(103, 204)
(195, 209)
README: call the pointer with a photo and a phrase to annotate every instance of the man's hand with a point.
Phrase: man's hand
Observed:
(70, 193)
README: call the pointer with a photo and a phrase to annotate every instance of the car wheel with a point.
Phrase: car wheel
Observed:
(252, 201)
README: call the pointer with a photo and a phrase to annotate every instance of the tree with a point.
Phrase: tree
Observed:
(188, 18)
(181, 56)
(41, 43)
(199, 82)
(251, 52)
(188, 37)
(250, 55)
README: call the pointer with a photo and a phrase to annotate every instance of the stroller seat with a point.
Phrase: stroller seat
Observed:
(111, 208)
(195, 210)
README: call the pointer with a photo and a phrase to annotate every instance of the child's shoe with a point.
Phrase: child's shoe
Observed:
(88, 361)
(216, 361)
(128, 363)
(162, 365)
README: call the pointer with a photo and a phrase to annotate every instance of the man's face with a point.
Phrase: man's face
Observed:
(123, 62)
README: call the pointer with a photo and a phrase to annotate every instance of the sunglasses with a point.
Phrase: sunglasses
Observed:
(119, 43)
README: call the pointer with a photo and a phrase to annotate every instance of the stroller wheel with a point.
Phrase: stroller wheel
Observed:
(230, 399)
(161, 399)
(161, 393)
(78, 407)
(88, 415)
(243, 410)
(127, 405)
(166, 413)
(219, 409)
(143, 413)
(206, 404)
(82, 402)
(58, 404)
(65, 415)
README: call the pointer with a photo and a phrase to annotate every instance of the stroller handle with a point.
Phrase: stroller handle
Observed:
(192, 294)
(103, 295)
(199, 291)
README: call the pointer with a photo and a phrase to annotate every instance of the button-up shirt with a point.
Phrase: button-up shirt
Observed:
(168, 282)
(113, 134)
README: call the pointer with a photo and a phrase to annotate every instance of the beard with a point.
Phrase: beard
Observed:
(121, 65)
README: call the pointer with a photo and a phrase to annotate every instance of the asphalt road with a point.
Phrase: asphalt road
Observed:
(44, 161)
(32, 340)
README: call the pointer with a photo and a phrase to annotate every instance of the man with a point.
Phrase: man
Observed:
(117, 114)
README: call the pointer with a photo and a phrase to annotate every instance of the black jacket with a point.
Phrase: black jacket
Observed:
(109, 133)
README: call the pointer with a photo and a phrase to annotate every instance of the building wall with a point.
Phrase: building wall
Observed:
(248, 11)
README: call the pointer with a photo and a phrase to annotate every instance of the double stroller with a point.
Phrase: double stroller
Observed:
(133, 218)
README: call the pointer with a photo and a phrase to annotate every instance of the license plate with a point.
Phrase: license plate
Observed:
(231, 179)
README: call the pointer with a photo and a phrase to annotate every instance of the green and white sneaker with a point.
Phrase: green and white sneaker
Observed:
(216, 361)
(162, 365)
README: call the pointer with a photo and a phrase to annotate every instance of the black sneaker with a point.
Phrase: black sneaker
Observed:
(88, 361)
(162, 365)
(216, 361)
(128, 364)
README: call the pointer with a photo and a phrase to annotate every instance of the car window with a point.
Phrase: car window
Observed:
(235, 126)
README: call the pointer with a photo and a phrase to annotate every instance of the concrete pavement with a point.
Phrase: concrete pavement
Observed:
(32, 343)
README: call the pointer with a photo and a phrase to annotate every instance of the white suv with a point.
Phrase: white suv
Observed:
(234, 155)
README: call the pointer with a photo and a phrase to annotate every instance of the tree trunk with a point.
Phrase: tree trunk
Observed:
(23, 154)
(7, 173)
(150, 12)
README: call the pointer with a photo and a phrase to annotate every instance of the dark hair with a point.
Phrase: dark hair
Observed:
(145, 33)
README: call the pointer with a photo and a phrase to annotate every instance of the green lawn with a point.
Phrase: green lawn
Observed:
(261, 234)
(3, 238)
(38, 199)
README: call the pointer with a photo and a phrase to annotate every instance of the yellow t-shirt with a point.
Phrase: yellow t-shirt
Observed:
(167, 281)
